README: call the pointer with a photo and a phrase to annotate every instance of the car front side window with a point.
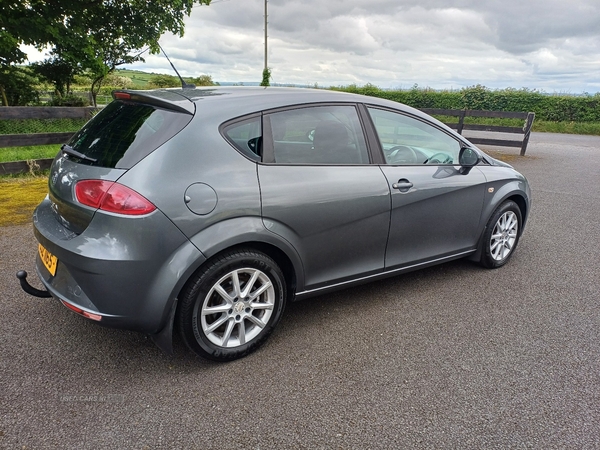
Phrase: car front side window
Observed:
(409, 141)
(318, 135)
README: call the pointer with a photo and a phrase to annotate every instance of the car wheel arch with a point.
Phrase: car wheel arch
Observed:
(289, 269)
(163, 337)
(502, 196)
(522, 204)
(514, 196)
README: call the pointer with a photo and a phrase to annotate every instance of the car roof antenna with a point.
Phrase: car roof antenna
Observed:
(184, 85)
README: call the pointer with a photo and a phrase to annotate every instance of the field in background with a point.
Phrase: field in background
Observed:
(140, 79)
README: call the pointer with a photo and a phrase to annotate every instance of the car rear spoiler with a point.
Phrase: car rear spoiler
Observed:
(165, 99)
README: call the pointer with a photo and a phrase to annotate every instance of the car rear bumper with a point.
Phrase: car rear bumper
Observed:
(122, 272)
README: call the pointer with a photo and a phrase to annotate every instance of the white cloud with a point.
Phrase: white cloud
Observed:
(551, 45)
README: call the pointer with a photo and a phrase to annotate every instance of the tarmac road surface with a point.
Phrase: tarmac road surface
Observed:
(453, 356)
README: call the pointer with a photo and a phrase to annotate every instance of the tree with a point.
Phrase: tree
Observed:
(58, 72)
(97, 36)
(204, 80)
(9, 50)
(266, 77)
(164, 81)
(18, 86)
(119, 81)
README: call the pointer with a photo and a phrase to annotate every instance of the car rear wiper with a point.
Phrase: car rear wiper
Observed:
(71, 151)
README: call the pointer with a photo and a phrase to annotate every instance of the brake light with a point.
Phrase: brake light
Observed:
(112, 197)
(122, 96)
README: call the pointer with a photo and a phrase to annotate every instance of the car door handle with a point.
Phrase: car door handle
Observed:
(402, 185)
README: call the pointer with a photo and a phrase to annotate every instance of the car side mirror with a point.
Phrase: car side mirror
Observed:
(468, 158)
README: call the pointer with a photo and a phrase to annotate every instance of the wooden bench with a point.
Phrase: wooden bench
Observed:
(528, 117)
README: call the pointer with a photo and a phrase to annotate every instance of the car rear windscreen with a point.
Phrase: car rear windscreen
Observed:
(123, 133)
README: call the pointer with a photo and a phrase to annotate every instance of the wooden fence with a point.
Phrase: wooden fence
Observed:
(528, 118)
(35, 112)
(57, 112)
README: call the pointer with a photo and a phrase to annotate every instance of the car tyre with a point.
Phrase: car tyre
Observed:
(231, 305)
(501, 235)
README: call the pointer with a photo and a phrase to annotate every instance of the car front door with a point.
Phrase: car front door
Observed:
(436, 206)
(320, 192)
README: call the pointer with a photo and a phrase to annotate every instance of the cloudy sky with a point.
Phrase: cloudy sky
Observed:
(551, 45)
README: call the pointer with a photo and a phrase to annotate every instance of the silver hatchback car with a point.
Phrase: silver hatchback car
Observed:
(210, 209)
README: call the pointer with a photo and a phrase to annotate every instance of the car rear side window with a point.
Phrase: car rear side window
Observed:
(318, 135)
(246, 136)
(123, 133)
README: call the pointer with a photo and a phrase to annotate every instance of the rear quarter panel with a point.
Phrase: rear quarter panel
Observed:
(197, 155)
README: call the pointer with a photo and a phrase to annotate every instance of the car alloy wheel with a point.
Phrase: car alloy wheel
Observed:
(237, 308)
(230, 307)
(501, 235)
(504, 236)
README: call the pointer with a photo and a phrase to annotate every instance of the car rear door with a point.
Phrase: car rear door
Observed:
(320, 192)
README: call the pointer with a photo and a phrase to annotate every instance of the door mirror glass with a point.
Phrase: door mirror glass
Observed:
(468, 157)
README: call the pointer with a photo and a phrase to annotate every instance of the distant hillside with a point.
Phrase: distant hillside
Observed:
(141, 79)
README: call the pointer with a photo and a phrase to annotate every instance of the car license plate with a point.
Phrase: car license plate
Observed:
(49, 260)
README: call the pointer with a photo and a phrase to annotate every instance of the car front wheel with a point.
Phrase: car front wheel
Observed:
(232, 305)
(501, 235)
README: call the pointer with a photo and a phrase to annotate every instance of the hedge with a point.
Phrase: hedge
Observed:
(550, 107)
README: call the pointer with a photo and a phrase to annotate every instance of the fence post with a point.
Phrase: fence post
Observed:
(461, 121)
(90, 111)
(527, 131)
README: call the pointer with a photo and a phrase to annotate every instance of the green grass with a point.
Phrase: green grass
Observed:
(26, 126)
(30, 152)
(588, 128)
(542, 126)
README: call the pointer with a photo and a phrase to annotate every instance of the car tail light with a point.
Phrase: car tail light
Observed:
(112, 197)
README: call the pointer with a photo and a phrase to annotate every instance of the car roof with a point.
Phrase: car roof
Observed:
(247, 99)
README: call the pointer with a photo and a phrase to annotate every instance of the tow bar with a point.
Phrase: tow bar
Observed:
(22, 276)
